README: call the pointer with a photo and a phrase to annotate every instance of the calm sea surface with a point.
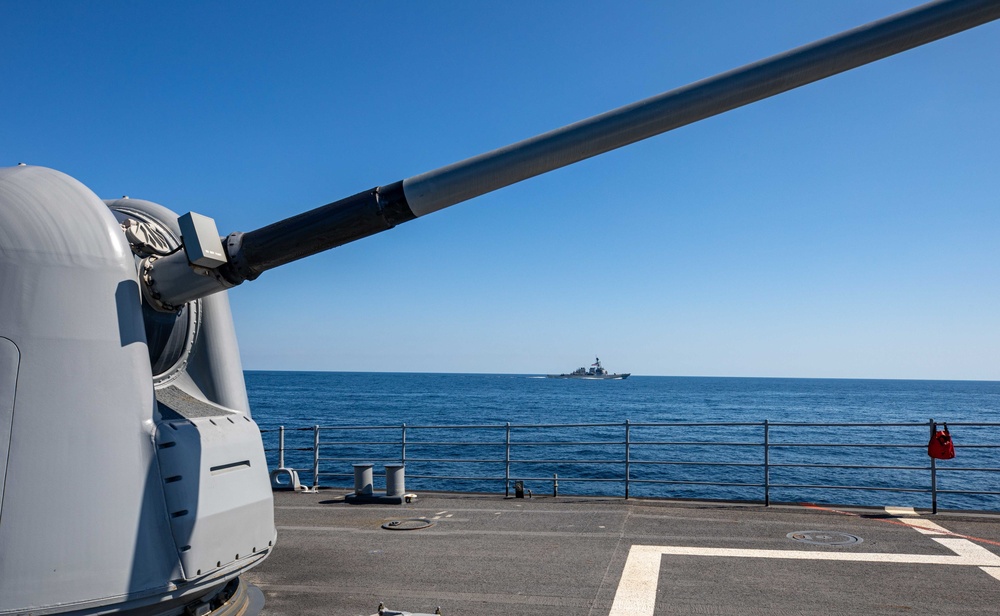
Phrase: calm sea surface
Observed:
(669, 459)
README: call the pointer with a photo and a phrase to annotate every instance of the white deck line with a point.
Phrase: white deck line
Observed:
(925, 527)
(993, 571)
(907, 516)
(636, 594)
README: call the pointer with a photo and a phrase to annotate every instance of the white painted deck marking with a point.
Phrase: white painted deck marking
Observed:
(636, 594)
(907, 516)
(925, 527)
(994, 571)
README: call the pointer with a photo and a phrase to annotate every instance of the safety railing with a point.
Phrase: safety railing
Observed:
(759, 461)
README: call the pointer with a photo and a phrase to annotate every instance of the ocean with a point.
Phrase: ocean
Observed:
(677, 447)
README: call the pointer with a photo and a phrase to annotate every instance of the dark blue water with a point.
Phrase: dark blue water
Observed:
(668, 460)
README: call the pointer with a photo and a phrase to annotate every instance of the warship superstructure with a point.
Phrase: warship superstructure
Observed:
(595, 372)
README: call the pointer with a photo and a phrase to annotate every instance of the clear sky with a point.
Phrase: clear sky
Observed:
(845, 229)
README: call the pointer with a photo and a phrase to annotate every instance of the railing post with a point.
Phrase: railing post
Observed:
(933, 426)
(281, 446)
(767, 465)
(506, 465)
(315, 457)
(628, 451)
(402, 453)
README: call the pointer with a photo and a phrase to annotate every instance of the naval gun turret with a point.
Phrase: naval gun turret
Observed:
(132, 476)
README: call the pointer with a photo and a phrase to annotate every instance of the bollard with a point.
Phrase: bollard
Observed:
(364, 490)
(363, 479)
(395, 481)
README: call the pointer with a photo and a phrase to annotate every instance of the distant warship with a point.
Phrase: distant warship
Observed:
(596, 371)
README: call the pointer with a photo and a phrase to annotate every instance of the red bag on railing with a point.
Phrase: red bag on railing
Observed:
(941, 446)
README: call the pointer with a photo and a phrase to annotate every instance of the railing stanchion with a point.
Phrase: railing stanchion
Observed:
(402, 451)
(315, 457)
(506, 465)
(628, 430)
(767, 465)
(933, 426)
(281, 446)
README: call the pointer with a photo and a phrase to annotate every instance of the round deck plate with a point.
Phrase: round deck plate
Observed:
(824, 537)
(411, 524)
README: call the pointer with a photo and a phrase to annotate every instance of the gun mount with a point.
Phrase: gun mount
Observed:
(132, 475)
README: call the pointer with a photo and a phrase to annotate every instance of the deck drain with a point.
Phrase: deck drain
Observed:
(411, 524)
(824, 537)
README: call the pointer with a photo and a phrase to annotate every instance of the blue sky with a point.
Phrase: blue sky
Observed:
(845, 229)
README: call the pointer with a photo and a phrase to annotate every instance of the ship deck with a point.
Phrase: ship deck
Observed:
(487, 555)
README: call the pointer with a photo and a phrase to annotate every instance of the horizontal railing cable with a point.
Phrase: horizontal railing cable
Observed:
(748, 461)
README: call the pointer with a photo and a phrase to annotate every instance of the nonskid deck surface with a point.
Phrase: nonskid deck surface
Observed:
(490, 556)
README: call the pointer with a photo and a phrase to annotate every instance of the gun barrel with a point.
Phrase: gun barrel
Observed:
(455, 183)
(325, 227)
(381, 208)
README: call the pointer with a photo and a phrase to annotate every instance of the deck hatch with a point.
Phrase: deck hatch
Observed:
(824, 537)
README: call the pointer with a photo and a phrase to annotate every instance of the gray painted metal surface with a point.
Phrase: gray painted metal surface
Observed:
(80, 495)
(9, 359)
(201, 240)
(87, 522)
